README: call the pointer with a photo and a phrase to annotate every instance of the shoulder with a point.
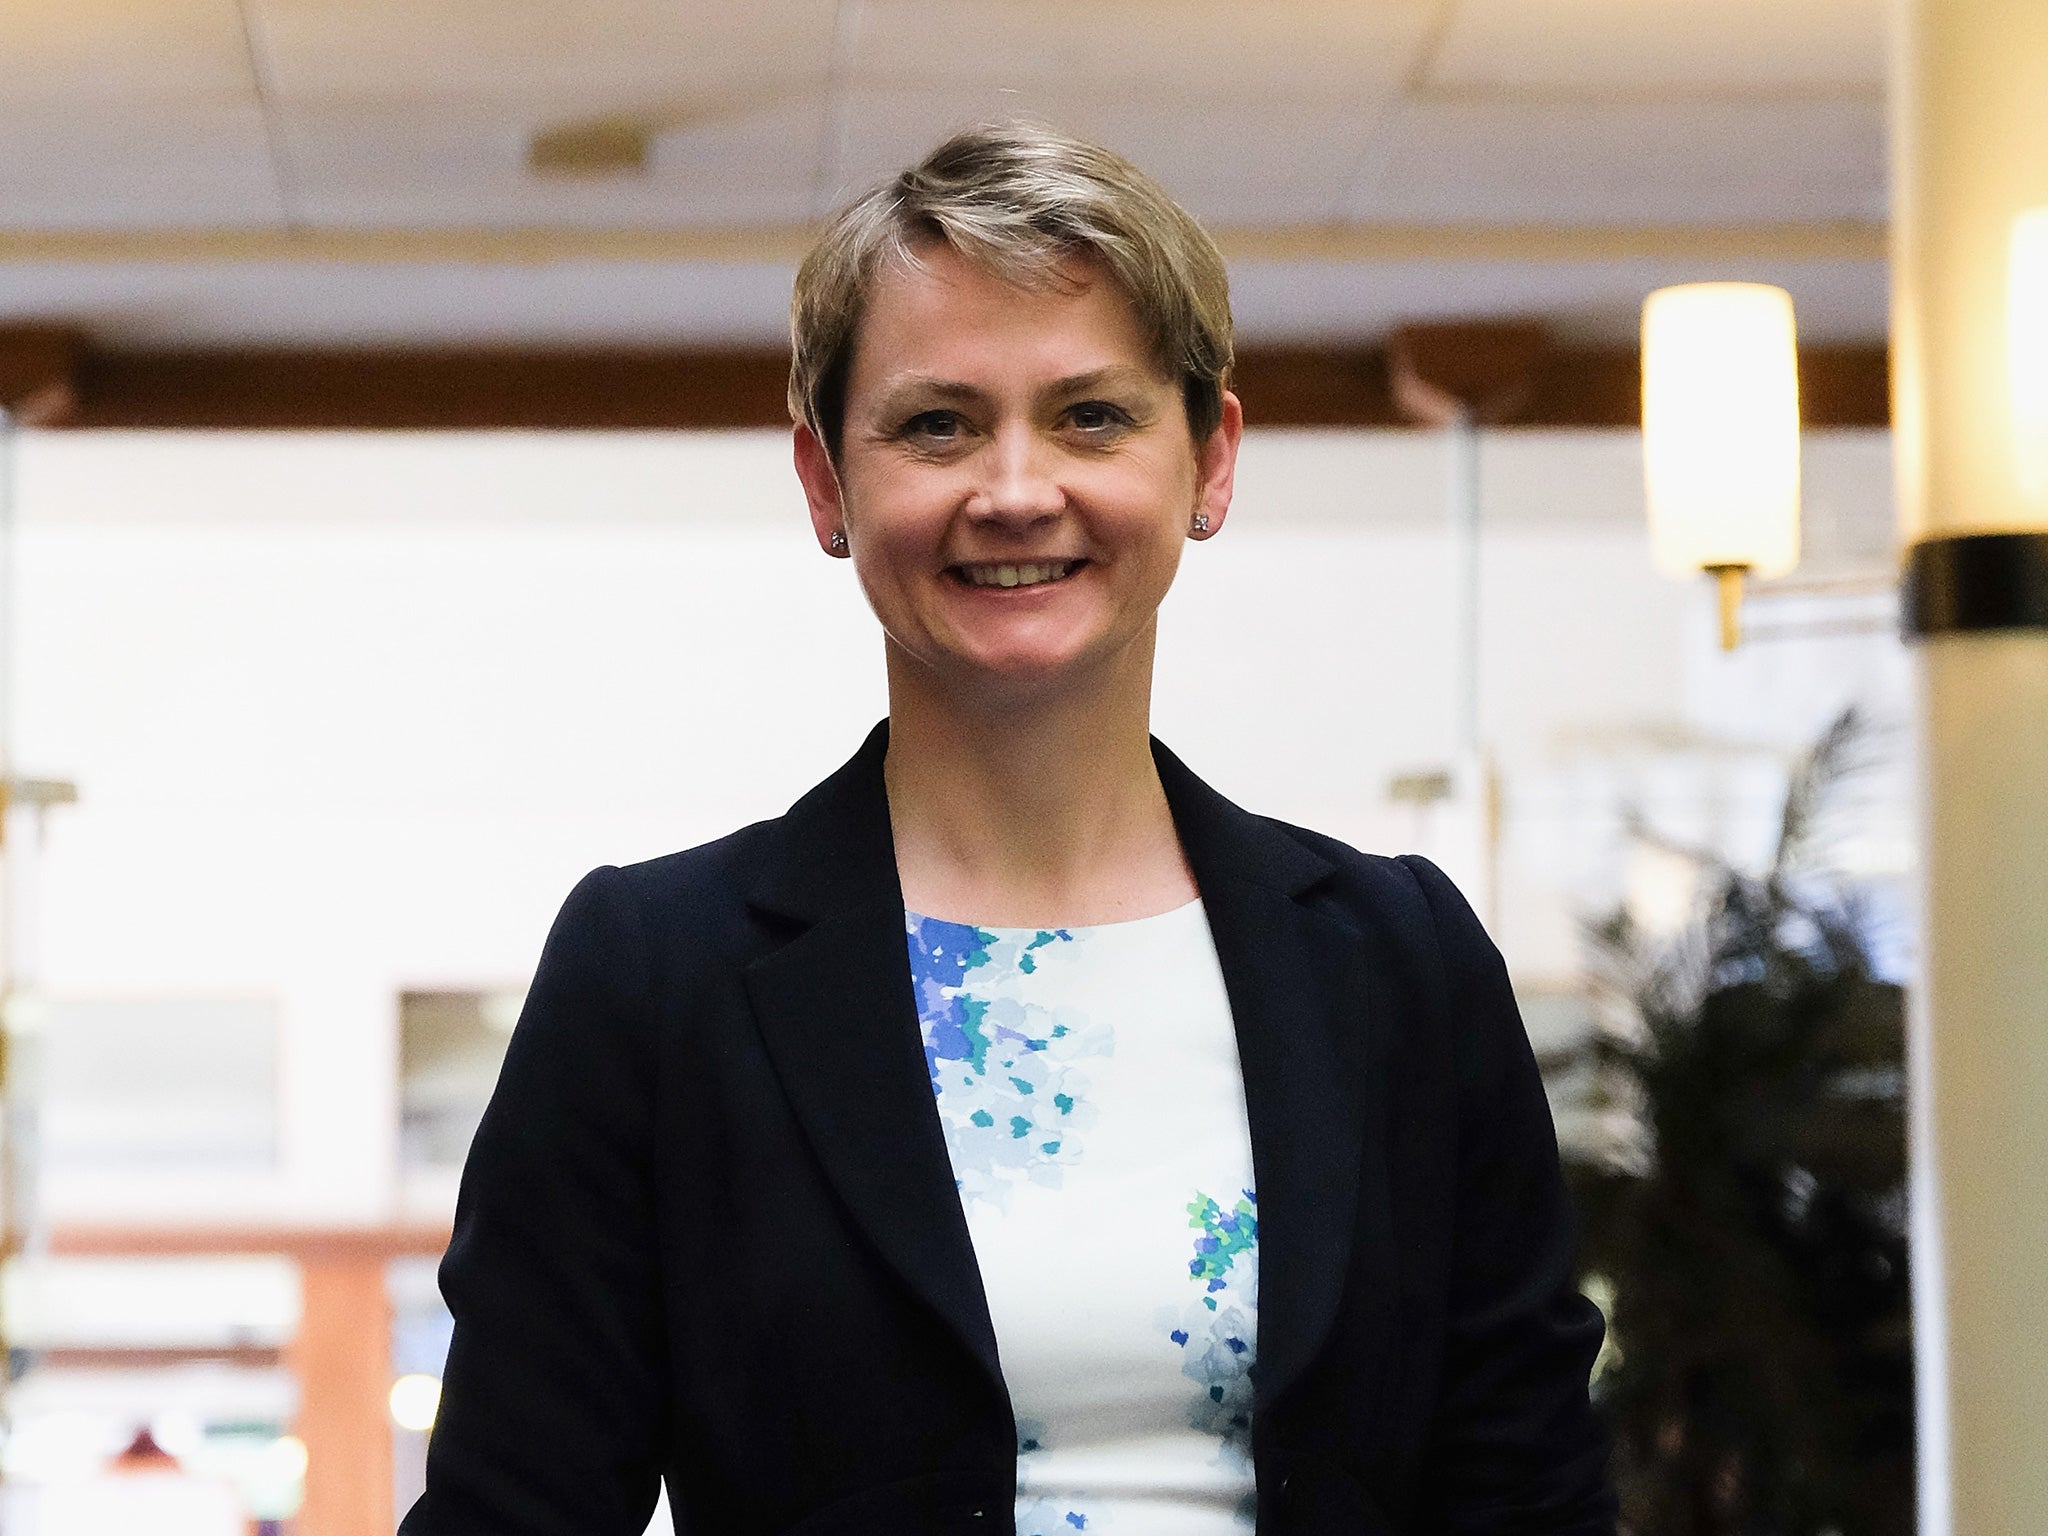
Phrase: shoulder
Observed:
(696, 879)
(1422, 930)
(1448, 980)
(1402, 897)
(693, 900)
(727, 901)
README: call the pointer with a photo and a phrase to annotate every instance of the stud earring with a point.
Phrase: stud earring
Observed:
(838, 541)
(1199, 524)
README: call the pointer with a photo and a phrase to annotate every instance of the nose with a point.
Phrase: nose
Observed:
(1019, 484)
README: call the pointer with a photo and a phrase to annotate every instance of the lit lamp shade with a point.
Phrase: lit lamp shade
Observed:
(1721, 428)
(2027, 351)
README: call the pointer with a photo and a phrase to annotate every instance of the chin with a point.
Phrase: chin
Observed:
(1021, 676)
(1022, 663)
(1020, 651)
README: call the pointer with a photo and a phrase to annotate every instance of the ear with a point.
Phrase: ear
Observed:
(1216, 466)
(821, 487)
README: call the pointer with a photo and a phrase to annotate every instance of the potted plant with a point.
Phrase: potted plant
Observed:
(1747, 1234)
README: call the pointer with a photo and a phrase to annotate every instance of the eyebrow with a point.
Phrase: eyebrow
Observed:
(932, 387)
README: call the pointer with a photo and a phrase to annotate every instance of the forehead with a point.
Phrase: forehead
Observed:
(948, 318)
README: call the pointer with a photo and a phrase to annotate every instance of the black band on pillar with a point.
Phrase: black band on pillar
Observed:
(1977, 581)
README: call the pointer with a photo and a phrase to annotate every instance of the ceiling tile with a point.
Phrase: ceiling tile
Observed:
(55, 53)
(410, 169)
(1212, 58)
(1644, 46)
(417, 113)
(1283, 168)
(591, 58)
(1629, 162)
(170, 166)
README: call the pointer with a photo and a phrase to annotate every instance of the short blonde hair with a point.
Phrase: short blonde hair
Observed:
(1017, 200)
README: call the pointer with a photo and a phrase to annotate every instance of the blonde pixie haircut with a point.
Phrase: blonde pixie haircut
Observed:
(1017, 200)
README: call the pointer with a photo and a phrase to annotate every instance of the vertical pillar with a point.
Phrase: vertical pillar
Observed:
(342, 1358)
(1970, 147)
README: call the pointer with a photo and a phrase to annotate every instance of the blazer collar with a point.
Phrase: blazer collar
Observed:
(839, 1019)
(834, 848)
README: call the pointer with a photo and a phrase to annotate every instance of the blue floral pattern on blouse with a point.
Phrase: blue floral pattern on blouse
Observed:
(1003, 1068)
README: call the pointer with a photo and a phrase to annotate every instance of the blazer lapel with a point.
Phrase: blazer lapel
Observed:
(837, 1013)
(1299, 989)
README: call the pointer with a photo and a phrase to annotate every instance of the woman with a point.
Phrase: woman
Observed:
(1016, 1129)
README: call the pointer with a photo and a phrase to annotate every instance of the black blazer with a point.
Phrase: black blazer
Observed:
(708, 1228)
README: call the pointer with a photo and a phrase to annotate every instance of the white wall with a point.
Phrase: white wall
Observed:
(350, 713)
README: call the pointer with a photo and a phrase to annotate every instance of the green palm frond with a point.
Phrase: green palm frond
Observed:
(1754, 1247)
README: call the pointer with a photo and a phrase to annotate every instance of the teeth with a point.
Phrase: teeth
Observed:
(1017, 575)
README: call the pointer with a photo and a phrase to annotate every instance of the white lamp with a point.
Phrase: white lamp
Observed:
(1721, 435)
(2026, 340)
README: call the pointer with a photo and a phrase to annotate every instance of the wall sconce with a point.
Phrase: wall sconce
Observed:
(1721, 435)
(2026, 340)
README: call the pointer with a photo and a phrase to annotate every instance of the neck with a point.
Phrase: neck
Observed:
(1044, 811)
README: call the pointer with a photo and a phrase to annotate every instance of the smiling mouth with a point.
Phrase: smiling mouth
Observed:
(1020, 574)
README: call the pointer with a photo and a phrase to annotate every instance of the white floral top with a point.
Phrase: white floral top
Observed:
(1088, 1082)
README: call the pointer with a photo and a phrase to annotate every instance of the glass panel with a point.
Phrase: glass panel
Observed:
(156, 1081)
(449, 1048)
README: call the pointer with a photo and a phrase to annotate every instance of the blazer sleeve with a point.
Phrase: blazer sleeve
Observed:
(1516, 1447)
(554, 1398)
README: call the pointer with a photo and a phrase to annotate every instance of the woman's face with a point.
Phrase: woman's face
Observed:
(1016, 477)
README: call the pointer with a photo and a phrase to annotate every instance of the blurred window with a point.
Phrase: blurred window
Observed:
(449, 1048)
(150, 1082)
(66, 1304)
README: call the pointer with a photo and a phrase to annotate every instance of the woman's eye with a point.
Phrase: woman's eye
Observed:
(1098, 416)
(932, 427)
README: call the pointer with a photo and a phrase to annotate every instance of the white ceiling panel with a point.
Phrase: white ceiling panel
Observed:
(174, 167)
(1282, 168)
(120, 54)
(397, 114)
(412, 169)
(1642, 46)
(1629, 162)
(1212, 58)
(588, 58)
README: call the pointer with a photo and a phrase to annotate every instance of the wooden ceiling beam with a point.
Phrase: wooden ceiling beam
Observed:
(50, 378)
(435, 390)
(1483, 370)
(39, 373)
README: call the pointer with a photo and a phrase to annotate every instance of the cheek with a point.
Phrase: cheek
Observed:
(1166, 560)
(888, 529)
(898, 502)
(1154, 498)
